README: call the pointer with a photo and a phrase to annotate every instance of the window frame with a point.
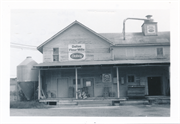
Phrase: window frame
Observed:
(78, 81)
(162, 53)
(128, 78)
(55, 54)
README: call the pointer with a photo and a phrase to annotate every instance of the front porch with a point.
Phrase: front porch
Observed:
(99, 101)
(105, 83)
(88, 99)
(108, 101)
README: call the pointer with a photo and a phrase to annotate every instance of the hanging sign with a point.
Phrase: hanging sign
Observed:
(76, 51)
(106, 77)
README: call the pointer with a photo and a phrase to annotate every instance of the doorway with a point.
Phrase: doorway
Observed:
(154, 86)
(88, 83)
(62, 87)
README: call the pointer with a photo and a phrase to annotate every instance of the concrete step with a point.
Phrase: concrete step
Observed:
(94, 102)
(134, 102)
(94, 105)
(159, 99)
(68, 103)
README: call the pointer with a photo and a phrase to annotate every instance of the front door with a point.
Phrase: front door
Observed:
(154, 86)
(62, 87)
(89, 84)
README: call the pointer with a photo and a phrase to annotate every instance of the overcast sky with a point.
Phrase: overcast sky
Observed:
(34, 26)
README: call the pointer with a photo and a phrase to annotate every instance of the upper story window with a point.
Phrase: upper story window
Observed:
(159, 51)
(55, 54)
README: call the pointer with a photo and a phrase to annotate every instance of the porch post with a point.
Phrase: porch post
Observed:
(117, 71)
(39, 84)
(76, 82)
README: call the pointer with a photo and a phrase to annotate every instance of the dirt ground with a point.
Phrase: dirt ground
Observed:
(106, 111)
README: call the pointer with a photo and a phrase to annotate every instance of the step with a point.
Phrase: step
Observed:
(94, 102)
(94, 105)
(60, 103)
(134, 102)
(159, 100)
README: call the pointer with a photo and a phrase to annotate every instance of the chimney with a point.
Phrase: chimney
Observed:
(149, 27)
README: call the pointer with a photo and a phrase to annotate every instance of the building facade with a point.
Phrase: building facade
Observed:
(77, 60)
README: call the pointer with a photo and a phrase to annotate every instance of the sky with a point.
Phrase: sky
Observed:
(31, 27)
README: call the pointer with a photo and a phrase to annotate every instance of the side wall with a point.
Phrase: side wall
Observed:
(140, 53)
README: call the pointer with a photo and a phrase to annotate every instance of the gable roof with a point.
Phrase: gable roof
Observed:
(137, 39)
(66, 28)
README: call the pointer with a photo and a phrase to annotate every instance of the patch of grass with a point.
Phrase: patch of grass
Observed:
(26, 104)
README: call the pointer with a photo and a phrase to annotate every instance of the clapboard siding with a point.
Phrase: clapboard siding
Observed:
(140, 53)
(98, 50)
(47, 55)
(96, 47)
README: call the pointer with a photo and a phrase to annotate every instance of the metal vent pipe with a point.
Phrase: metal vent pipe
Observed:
(148, 19)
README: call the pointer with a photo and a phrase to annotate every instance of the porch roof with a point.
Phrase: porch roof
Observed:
(87, 63)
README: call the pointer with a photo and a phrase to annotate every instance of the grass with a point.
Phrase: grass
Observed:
(26, 104)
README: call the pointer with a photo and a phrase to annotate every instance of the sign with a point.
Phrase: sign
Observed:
(76, 51)
(151, 29)
(106, 77)
(88, 83)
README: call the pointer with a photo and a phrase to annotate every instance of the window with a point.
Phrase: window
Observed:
(159, 51)
(55, 54)
(130, 78)
(78, 80)
(88, 83)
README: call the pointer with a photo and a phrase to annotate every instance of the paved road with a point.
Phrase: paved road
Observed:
(111, 111)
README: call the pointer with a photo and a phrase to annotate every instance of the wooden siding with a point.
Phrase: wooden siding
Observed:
(95, 46)
(140, 53)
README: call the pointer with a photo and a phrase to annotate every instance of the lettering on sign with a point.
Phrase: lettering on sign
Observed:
(76, 51)
(77, 56)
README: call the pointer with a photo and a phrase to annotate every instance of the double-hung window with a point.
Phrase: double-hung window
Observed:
(159, 51)
(55, 54)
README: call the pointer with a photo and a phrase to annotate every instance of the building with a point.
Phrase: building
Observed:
(13, 89)
(78, 60)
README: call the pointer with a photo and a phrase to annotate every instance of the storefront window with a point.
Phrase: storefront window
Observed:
(130, 78)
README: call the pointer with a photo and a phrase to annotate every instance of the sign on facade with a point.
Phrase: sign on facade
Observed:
(76, 51)
(106, 77)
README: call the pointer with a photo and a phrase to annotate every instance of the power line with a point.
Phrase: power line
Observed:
(23, 47)
(23, 44)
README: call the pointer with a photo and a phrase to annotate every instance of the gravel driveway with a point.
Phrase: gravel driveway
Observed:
(109, 111)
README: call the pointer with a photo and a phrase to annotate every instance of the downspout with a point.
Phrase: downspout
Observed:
(148, 19)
